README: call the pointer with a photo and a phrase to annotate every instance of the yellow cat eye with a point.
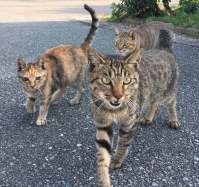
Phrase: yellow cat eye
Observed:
(127, 80)
(106, 80)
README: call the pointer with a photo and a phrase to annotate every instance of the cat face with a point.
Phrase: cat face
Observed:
(113, 79)
(125, 42)
(32, 75)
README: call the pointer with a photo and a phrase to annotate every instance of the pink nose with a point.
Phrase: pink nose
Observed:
(120, 48)
(32, 85)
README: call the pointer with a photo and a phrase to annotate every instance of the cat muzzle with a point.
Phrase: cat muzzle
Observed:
(115, 103)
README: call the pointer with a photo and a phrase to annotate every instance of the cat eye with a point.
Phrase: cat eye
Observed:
(106, 80)
(38, 78)
(127, 80)
(25, 79)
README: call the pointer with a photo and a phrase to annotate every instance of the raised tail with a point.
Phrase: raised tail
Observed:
(94, 27)
(166, 38)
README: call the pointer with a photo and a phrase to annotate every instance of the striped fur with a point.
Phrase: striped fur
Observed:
(60, 67)
(147, 36)
(153, 79)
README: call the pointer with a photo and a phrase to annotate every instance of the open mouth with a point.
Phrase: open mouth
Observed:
(115, 104)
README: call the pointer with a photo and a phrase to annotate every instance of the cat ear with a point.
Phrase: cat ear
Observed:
(132, 33)
(134, 59)
(94, 58)
(41, 63)
(117, 31)
(21, 64)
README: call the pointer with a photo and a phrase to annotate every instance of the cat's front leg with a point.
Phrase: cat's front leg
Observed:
(43, 111)
(126, 133)
(30, 104)
(103, 145)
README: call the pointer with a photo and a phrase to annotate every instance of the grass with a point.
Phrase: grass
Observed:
(181, 19)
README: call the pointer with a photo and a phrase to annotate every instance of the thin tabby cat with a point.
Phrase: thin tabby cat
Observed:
(120, 87)
(146, 37)
(60, 67)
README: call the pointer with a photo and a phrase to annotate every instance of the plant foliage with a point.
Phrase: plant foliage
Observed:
(137, 8)
(190, 6)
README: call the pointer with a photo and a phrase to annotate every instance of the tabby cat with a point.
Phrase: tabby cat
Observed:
(120, 87)
(53, 72)
(146, 37)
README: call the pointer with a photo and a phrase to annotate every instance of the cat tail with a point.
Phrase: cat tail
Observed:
(166, 38)
(94, 27)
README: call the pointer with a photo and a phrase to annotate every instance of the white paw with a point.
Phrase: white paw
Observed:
(74, 102)
(41, 122)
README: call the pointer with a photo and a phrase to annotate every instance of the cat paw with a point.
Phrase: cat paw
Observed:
(115, 165)
(41, 122)
(145, 121)
(74, 102)
(31, 109)
(174, 124)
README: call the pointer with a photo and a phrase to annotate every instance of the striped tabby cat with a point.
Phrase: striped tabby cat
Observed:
(53, 72)
(120, 87)
(146, 37)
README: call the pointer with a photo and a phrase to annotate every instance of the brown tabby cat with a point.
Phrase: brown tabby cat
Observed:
(53, 72)
(120, 87)
(146, 37)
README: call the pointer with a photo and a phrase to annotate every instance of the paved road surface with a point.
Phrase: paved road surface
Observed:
(62, 153)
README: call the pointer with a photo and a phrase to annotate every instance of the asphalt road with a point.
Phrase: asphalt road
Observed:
(62, 153)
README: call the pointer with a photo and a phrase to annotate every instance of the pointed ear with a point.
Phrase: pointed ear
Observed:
(41, 63)
(21, 64)
(132, 33)
(117, 31)
(134, 59)
(94, 59)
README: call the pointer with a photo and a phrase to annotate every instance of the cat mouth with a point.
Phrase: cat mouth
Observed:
(115, 103)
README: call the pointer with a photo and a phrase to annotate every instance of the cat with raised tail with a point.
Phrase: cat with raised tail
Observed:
(60, 67)
(146, 37)
(120, 87)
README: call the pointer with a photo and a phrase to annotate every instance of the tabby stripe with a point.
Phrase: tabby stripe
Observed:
(104, 144)
(108, 130)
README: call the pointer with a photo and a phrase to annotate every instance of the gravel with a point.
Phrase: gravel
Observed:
(62, 153)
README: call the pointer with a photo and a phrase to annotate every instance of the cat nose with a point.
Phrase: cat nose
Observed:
(32, 85)
(118, 96)
(120, 48)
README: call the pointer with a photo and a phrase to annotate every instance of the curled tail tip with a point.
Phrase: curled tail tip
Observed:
(88, 8)
(94, 27)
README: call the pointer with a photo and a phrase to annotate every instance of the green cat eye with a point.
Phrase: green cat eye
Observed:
(106, 80)
(127, 80)
(37, 78)
(25, 79)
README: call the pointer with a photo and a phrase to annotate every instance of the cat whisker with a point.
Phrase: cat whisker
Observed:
(101, 106)
(133, 103)
(130, 105)
(40, 91)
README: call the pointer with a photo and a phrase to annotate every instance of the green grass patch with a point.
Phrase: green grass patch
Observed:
(181, 19)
